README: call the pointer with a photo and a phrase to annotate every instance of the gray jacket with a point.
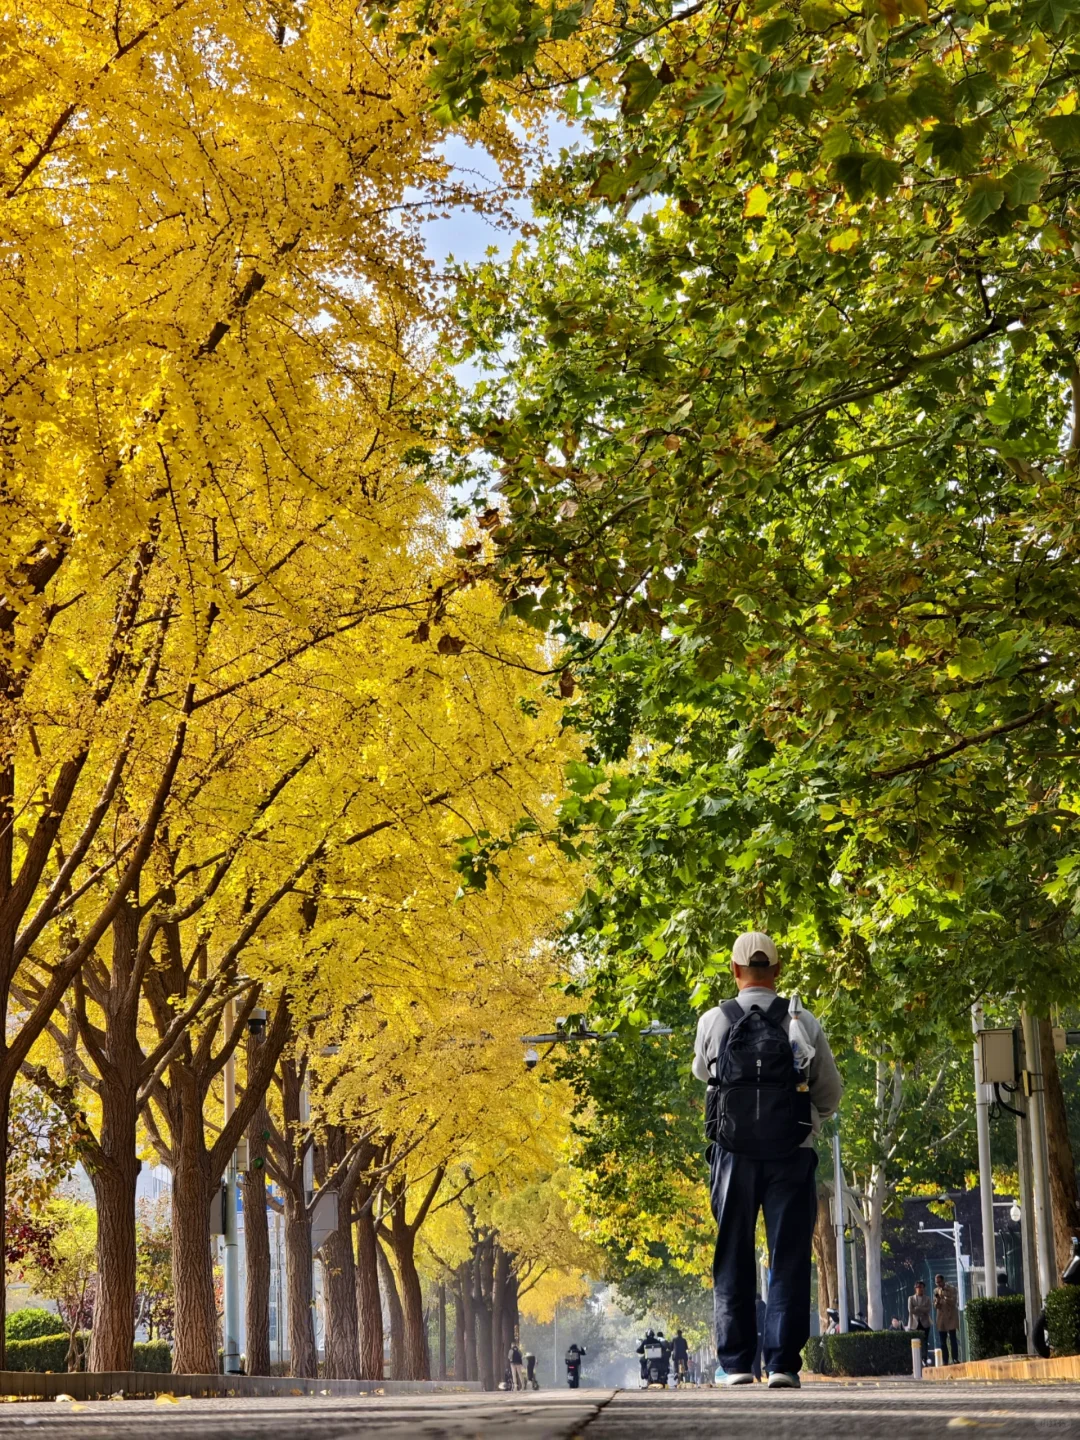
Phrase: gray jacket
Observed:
(826, 1087)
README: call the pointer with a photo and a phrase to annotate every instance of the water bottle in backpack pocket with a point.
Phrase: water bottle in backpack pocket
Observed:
(757, 1102)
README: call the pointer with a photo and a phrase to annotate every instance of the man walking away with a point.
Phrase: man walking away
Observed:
(946, 1318)
(918, 1317)
(771, 1081)
(680, 1354)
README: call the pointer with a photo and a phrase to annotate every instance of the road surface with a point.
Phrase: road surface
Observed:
(899, 1410)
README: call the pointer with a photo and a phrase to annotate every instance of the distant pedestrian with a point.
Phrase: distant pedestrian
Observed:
(517, 1366)
(895, 1323)
(946, 1318)
(760, 1307)
(918, 1317)
(771, 1080)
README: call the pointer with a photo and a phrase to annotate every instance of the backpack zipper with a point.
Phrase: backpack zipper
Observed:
(757, 1113)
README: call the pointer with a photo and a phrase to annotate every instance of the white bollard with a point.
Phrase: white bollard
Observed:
(916, 1359)
(938, 1361)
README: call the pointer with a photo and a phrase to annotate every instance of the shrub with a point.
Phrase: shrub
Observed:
(153, 1355)
(33, 1322)
(1063, 1320)
(46, 1352)
(814, 1358)
(868, 1352)
(996, 1327)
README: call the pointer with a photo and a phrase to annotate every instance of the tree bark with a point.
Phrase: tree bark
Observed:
(1064, 1194)
(468, 1305)
(303, 1362)
(499, 1349)
(257, 1238)
(461, 1364)
(397, 1319)
(485, 1268)
(195, 1333)
(875, 1310)
(113, 1162)
(414, 1342)
(442, 1330)
(368, 1304)
(825, 1254)
(342, 1318)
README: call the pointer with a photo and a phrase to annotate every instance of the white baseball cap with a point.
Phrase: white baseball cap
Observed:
(752, 944)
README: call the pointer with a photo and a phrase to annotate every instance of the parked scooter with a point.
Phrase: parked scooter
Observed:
(1069, 1276)
(573, 1366)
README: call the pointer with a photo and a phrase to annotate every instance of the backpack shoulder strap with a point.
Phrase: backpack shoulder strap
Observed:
(777, 1010)
(732, 1012)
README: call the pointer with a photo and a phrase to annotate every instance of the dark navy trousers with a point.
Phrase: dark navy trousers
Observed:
(786, 1191)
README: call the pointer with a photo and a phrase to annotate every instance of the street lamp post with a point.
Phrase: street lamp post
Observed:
(838, 1220)
(986, 1172)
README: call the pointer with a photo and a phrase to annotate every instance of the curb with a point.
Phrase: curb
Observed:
(1009, 1367)
(99, 1385)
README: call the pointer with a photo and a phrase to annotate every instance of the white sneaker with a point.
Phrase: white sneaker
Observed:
(784, 1380)
(738, 1378)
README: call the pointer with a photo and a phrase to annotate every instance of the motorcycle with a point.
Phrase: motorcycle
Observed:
(573, 1366)
(1069, 1276)
(655, 1361)
(855, 1323)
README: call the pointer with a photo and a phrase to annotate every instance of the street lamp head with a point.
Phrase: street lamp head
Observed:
(1014, 1211)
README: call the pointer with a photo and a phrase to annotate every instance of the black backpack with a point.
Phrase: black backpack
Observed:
(757, 1102)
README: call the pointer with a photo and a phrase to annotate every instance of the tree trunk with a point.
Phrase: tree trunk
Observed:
(113, 1335)
(257, 1241)
(113, 1163)
(499, 1350)
(397, 1319)
(461, 1364)
(875, 1309)
(468, 1305)
(485, 1276)
(415, 1356)
(342, 1318)
(825, 1254)
(195, 1332)
(1064, 1196)
(368, 1304)
(303, 1363)
(442, 1330)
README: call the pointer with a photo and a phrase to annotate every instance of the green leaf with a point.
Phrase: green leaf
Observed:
(985, 196)
(778, 32)
(1063, 132)
(1023, 184)
(641, 88)
(951, 146)
(880, 175)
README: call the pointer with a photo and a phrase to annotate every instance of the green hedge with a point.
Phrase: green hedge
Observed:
(996, 1327)
(47, 1352)
(813, 1356)
(1063, 1320)
(868, 1352)
(31, 1323)
(153, 1356)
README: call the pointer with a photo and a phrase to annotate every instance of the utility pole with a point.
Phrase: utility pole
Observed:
(232, 1262)
(1040, 1157)
(986, 1171)
(838, 1221)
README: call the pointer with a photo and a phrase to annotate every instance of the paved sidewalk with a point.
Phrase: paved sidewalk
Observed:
(877, 1410)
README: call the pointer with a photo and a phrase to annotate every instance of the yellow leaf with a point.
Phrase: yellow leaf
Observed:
(846, 240)
(757, 202)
